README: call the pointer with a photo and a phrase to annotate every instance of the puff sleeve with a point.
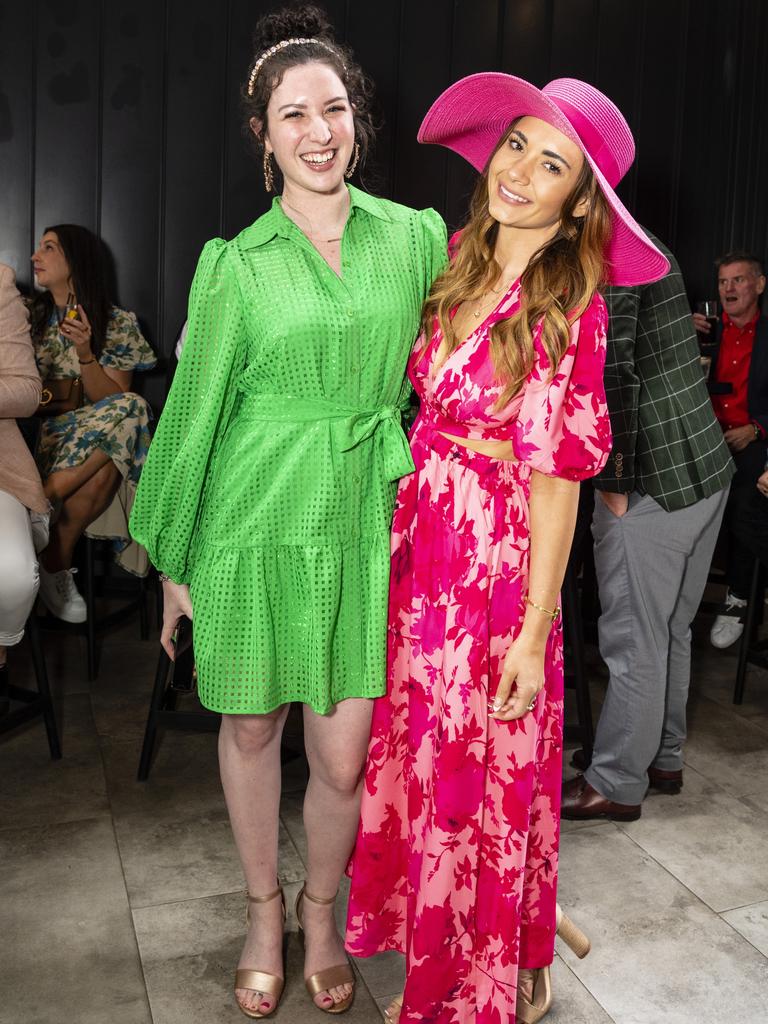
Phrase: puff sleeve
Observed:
(170, 492)
(125, 347)
(435, 246)
(563, 428)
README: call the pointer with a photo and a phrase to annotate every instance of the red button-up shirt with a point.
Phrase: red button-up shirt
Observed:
(733, 362)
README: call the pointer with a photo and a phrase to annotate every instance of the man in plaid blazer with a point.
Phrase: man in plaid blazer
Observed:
(658, 509)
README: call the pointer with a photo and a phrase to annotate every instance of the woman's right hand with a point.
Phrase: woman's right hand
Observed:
(176, 602)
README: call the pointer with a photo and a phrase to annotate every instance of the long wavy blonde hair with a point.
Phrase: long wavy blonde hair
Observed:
(556, 287)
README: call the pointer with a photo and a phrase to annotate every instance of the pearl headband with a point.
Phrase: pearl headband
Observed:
(276, 49)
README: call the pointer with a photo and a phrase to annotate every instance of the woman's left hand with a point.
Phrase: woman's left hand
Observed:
(79, 333)
(522, 678)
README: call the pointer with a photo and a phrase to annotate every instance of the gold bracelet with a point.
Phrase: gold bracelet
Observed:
(539, 608)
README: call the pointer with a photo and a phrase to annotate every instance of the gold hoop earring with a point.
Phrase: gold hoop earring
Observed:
(351, 169)
(269, 177)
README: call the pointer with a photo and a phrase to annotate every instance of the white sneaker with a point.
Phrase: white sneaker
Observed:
(727, 628)
(60, 595)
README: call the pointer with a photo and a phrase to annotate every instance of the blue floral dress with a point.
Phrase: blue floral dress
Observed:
(118, 424)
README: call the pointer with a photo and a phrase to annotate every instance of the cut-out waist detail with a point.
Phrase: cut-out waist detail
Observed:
(427, 441)
(493, 449)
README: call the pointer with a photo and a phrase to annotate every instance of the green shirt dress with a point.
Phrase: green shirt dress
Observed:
(270, 483)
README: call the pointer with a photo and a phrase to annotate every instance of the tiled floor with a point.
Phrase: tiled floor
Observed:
(122, 901)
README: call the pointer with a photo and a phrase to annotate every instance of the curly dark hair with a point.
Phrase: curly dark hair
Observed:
(304, 22)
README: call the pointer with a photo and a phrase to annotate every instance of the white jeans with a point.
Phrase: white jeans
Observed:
(22, 533)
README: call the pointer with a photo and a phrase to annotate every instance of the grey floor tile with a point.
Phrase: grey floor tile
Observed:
(709, 841)
(728, 749)
(36, 790)
(69, 949)
(658, 953)
(190, 951)
(165, 860)
(752, 923)
(572, 1002)
(384, 974)
(184, 780)
(714, 678)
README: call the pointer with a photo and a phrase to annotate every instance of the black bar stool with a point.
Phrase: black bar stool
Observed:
(171, 680)
(751, 650)
(94, 625)
(34, 702)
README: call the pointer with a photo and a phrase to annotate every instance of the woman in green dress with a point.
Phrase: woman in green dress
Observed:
(268, 492)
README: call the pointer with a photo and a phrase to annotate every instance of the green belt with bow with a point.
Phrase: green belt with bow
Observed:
(350, 427)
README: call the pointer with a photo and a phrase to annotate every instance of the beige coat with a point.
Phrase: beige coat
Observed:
(19, 396)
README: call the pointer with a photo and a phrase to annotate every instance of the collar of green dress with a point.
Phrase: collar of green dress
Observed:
(275, 222)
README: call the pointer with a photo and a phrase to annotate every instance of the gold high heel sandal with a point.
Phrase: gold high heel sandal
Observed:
(397, 1003)
(331, 977)
(572, 936)
(259, 981)
(531, 1011)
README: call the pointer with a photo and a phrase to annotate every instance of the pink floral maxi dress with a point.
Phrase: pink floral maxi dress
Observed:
(456, 857)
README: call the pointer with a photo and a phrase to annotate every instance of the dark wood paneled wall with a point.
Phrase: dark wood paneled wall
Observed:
(122, 115)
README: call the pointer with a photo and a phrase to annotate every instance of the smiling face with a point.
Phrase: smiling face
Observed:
(531, 175)
(310, 128)
(50, 264)
(740, 285)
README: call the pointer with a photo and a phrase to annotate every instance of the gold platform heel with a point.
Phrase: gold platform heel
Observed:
(331, 977)
(396, 1004)
(532, 1012)
(572, 936)
(260, 981)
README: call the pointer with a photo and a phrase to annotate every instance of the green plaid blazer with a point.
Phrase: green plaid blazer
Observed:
(666, 440)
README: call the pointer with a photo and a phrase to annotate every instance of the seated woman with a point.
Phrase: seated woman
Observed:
(101, 438)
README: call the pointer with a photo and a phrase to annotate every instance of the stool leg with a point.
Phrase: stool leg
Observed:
(750, 624)
(158, 691)
(90, 604)
(572, 620)
(158, 601)
(41, 674)
(143, 617)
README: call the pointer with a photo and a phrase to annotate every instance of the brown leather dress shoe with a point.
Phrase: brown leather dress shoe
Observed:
(581, 801)
(664, 782)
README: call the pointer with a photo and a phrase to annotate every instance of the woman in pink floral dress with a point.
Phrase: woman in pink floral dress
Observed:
(456, 858)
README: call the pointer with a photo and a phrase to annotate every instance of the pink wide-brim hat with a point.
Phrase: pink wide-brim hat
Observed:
(472, 115)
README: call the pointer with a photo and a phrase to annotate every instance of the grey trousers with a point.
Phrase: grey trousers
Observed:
(652, 568)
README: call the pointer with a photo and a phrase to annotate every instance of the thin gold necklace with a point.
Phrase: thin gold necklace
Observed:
(486, 305)
(312, 238)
